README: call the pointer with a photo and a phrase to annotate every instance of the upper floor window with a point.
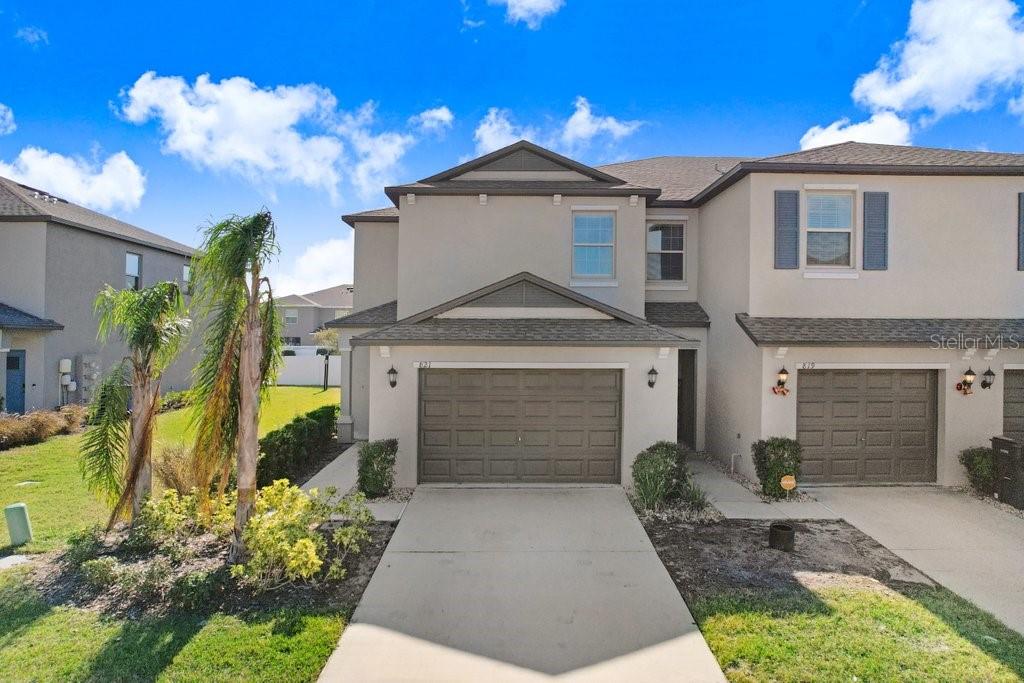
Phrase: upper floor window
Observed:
(593, 244)
(666, 251)
(341, 312)
(291, 316)
(132, 271)
(829, 229)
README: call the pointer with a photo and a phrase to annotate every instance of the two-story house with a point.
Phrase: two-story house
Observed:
(304, 314)
(523, 317)
(55, 257)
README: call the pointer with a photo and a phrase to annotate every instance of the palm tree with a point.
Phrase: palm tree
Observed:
(242, 352)
(116, 451)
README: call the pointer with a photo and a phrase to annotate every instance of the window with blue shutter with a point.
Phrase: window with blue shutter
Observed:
(787, 229)
(876, 231)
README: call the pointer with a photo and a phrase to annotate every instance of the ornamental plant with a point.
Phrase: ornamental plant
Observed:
(774, 458)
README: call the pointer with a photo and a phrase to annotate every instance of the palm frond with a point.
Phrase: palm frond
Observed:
(105, 443)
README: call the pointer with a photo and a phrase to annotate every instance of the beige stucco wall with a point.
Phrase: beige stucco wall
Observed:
(355, 400)
(963, 421)
(452, 245)
(648, 414)
(687, 290)
(375, 265)
(22, 275)
(953, 251)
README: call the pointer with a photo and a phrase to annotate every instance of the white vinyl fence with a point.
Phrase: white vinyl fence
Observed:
(309, 371)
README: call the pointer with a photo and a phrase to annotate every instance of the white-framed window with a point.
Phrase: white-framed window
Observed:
(132, 271)
(593, 244)
(341, 312)
(829, 230)
(666, 251)
(291, 316)
(186, 278)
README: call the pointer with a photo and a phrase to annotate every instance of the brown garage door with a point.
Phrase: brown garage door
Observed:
(520, 425)
(867, 425)
(1013, 404)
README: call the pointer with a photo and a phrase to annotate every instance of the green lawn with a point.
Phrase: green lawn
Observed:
(41, 643)
(858, 634)
(59, 503)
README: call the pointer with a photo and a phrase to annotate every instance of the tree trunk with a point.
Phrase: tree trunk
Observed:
(248, 416)
(141, 448)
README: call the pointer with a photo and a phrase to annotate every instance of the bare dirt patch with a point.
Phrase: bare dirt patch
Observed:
(733, 555)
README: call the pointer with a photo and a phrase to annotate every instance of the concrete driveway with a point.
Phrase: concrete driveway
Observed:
(498, 584)
(973, 548)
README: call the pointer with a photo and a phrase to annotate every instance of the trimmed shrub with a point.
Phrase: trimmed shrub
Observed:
(774, 458)
(288, 451)
(288, 352)
(377, 467)
(101, 573)
(197, 590)
(980, 464)
(660, 474)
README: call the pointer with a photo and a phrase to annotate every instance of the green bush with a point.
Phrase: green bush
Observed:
(101, 573)
(151, 580)
(774, 458)
(175, 400)
(84, 545)
(694, 497)
(283, 538)
(660, 474)
(196, 590)
(287, 452)
(377, 467)
(980, 464)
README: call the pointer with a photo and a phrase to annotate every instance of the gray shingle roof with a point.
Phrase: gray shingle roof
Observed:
(385, 314)
(676, 314)
(680, 178)
(857, 153)
(388, 214)
(781, 331)
(521, 332)
(339, 296)
(12, 318)
(20, 201)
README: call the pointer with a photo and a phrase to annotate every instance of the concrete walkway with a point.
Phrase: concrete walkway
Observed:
(972, 548)
(521, 585)
(735, 501)
(341, 473)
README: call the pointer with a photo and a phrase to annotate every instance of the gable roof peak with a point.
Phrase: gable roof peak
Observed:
(521, 146)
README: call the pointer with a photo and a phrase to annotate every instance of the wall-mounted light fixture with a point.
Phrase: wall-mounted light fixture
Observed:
(652, 377)
(780, 383)
(966, 382)
(988, 378)
(392, 377)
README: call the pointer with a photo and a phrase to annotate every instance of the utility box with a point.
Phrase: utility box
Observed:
(1009, 471)
(18, 526)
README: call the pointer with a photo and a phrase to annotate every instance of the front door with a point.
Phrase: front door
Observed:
(15, 401)
(686, 424)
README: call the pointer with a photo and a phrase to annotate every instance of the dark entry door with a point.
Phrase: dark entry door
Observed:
(686, 426)
(15, 401)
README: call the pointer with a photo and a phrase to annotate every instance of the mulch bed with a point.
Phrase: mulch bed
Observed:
(733, 556)
(59, 581)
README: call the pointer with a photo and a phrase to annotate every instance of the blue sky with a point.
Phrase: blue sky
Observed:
(169, 118)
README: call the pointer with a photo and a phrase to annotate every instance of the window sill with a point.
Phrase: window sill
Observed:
(831, 275)
(673, 285)
(593, 283)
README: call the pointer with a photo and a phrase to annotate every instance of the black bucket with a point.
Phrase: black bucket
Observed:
(781, 536)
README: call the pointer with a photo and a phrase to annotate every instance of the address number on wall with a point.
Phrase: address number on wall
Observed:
(809, 365)
(421, 364)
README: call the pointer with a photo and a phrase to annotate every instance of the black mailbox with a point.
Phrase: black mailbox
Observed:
(1009, 471)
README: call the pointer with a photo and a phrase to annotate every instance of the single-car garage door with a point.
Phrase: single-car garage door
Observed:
(522, 425)
(867, 425)
(1013, 404)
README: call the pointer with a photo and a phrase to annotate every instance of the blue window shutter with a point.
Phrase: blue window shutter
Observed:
(787, 229)
(876, 231)
(1020, 231)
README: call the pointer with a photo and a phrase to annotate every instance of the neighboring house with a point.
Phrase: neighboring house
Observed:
(304, 314)
(55, 257)
(525, 318)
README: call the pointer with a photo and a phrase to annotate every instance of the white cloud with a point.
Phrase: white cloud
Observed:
(236, 126)
(377, 155)
(116, 183)
(321, 265)
(883, 127)
(530, 12)
(433, 120)
(956, 56)
(496, 130)
(7, 124)
(582, 127)
(33, 35)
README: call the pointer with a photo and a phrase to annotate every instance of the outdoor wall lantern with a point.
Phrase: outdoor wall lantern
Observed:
(652, 377)
(966, 382)
(988, 378)
(780, 384)
(392, 377)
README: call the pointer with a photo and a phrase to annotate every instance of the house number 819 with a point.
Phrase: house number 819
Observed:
(806, 366)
